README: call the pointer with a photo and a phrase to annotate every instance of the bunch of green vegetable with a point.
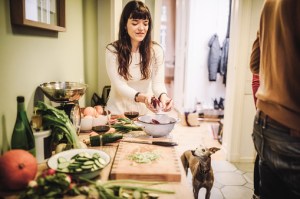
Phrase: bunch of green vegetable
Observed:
(124, 125)
(126, 128)
(49, 185)
(124, 120)
(118, 189)
(60, 125)
(55, 185)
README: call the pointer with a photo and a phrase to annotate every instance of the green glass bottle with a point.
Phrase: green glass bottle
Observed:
(22, 137)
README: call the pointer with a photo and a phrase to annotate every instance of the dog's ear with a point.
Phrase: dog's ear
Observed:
(213, 149)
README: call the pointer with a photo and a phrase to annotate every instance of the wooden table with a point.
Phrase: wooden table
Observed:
(181, 189)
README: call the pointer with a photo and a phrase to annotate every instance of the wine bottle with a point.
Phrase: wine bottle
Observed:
(22, 137)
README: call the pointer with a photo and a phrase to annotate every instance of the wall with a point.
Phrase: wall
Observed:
(105, 36)
(92, 73)
(240, 109)
(29, 57)
(206, 19)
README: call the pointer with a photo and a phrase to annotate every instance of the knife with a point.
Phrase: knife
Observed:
(159, 143)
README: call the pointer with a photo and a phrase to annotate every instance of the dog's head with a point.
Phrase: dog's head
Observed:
(202, 151)
(203, 154)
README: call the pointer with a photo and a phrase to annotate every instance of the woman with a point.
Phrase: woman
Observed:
(255, 61)
(135, 64)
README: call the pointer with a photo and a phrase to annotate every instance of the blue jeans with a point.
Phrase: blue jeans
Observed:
(279, 163)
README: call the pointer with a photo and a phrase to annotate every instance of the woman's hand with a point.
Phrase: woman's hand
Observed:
(166, 102)
(150, 105)
(146, 99)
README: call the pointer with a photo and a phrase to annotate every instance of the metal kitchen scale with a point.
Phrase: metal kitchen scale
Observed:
(67, 94)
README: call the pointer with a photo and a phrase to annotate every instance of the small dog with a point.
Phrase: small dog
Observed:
(199, 161)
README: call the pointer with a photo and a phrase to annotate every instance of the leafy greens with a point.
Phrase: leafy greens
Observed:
(59, 123)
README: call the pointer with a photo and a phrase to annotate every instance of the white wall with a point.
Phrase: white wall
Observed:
(206, 18)
(240, 109)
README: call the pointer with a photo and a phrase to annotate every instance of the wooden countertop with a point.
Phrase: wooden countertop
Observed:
(181, 189)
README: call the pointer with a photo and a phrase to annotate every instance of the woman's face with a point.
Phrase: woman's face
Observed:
(137, 29)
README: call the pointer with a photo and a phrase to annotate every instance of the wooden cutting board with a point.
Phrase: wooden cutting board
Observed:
(165, 168)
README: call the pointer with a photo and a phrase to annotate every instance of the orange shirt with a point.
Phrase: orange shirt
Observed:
(279, 69)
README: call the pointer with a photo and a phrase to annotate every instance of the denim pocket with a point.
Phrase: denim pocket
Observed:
(257, 139)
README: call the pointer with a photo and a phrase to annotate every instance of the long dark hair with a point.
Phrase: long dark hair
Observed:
(133, 10)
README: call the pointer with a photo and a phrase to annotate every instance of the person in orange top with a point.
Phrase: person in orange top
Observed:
(276, 132)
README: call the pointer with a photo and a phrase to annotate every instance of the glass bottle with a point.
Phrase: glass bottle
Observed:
(36, 120)
(22, 137)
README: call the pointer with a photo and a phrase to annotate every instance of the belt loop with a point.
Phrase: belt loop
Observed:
(257, 116)
(265, 122)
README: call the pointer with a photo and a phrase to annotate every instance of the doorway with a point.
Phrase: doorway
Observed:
(239, 104)
(187, 73)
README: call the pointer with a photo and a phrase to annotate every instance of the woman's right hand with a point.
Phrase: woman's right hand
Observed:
(146, 99)
(150, 105)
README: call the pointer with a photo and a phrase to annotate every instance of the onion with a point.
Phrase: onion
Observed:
(89, 111)
(99, 109)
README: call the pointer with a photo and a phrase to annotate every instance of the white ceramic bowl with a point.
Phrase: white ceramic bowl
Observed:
(86, 123)
(100, 120)
(52, 162)
(165, 126)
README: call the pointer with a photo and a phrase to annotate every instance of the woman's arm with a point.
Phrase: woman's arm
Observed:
(158, 71)
(158, 78)
(119, 83)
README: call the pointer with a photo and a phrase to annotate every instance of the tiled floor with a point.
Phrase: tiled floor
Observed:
(232, 180)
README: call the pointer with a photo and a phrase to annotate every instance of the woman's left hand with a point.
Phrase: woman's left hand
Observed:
(166, 102)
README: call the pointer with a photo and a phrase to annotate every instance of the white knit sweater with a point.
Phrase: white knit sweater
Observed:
(123, 92)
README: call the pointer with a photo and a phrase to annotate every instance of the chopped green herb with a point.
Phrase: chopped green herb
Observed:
(144, 157)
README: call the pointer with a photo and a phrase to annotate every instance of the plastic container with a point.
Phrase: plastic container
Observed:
(42, 143)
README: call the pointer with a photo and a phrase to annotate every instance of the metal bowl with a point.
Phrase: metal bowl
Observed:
(165, 126)
(63, 91)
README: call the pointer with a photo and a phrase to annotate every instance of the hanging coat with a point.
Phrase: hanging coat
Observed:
(213, 57)
(225, 50)
(224, 57)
